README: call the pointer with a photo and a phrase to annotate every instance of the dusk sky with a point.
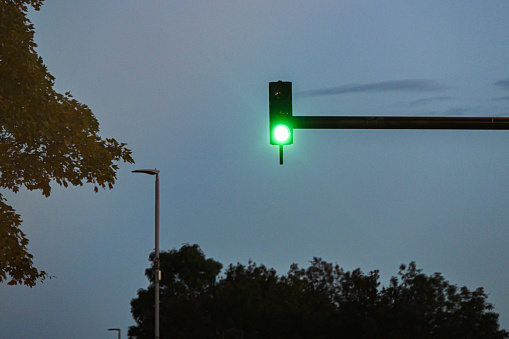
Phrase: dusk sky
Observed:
(185, 85)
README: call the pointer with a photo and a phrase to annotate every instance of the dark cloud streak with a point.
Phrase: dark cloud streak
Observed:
(424, 101)
(412, 85)
(504, 98)
(455, 112)
(502, 83)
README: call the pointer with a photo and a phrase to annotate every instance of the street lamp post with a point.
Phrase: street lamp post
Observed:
(115, 329)
(156, 260)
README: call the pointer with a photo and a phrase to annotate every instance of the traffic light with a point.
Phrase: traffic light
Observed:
(280, 113)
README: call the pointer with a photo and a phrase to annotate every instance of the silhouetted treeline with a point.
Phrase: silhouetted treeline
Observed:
(321, 301)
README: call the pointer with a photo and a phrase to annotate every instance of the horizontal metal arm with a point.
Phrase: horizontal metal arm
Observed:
(397, 122)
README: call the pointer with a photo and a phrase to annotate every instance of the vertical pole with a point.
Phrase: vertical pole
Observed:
(156, 278)
(280, 154)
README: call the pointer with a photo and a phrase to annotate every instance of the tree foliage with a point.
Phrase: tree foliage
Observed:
(188, 278)
(45, 136)
(321, 301)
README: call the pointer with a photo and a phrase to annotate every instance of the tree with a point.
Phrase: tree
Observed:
(255, 300)
(352, 299)
(187, 281)
(430, 307)
(44, 136)
(414, 305)
(321, 301)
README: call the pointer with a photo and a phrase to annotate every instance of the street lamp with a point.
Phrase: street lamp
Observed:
(157, 272)
(115, 329)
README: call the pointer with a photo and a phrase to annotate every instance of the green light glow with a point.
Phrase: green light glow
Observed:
(281, 133)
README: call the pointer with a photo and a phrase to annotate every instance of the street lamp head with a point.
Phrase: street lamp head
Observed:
(147, 171)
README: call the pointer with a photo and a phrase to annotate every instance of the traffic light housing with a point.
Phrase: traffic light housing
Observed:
(280, 113)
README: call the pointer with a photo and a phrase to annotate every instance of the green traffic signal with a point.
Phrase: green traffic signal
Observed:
(282, 134)
(280, 113)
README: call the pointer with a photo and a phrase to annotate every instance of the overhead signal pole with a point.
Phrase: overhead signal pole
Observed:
(278, 118)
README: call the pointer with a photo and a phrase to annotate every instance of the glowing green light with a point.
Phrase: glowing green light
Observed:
(281, 133)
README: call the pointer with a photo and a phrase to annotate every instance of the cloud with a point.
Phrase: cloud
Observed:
(502, 83)
(504, 98)
(428, 100)
(412, 85)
